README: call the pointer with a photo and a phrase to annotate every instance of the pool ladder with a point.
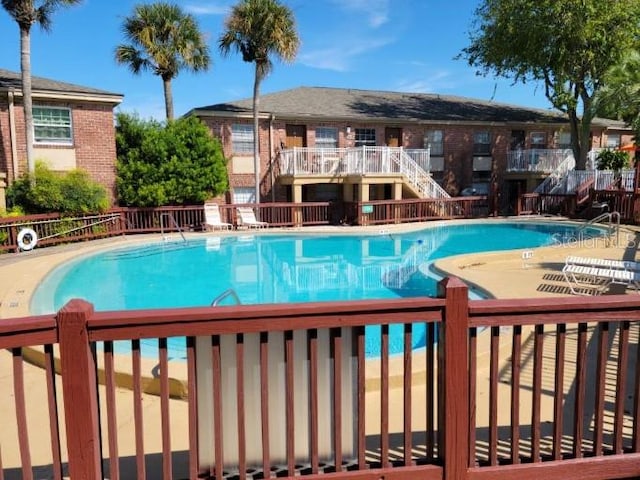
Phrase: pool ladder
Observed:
(613, 220)
(175, 224)
(227, 293)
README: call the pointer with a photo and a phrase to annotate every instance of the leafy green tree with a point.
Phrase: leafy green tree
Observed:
(175, 164)
(620, 96)
(72, 193)
(26, 13)
(568, 45)
(165, 40)
(260, 29)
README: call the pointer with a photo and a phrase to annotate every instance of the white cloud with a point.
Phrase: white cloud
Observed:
(435, 82)
(339, 57)
(209, 8)
(376, 11)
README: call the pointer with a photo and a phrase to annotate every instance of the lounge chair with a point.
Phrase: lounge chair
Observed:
(585, 279)
(603, 263)
(212, 220)
(246, 218)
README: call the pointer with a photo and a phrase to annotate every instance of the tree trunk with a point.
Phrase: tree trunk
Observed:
(168, 98)
(25, 68)
(256, 133)
(581, 139)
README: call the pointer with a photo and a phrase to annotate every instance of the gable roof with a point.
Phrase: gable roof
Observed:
(11, 81)
(354, 104)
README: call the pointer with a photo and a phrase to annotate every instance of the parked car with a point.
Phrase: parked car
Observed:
(474, 191)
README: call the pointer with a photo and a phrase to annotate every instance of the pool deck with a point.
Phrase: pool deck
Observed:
(501, 275)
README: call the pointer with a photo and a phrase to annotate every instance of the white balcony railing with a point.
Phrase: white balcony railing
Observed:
(363, 161)
(536, 160)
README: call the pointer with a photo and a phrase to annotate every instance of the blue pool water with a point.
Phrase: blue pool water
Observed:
(283, 268)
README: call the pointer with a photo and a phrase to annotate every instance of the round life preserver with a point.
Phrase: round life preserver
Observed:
(27, 239)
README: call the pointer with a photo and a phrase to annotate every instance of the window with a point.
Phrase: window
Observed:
(564, 140)
(365, 136)
(482, 143)
(613, 140)
(433, 139)
(52, 125)
(244, 195)
(242, 138)
(326, 137)
(538, 140)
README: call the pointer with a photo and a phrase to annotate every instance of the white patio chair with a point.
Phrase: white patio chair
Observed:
(246, 218)
(212, 219)
(585, 280)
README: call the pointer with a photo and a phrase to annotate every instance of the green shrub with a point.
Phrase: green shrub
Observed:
(71, 193)
(612, 160)
(179, 163)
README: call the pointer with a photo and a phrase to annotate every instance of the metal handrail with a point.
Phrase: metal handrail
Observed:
(227, 293)
(610, 216)
(175, 224)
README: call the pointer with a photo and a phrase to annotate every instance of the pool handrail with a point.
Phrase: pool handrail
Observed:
(230, 292)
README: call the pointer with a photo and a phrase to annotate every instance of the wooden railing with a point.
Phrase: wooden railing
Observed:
(53, 229)
(381, 212)
(623, 202)
(540, 203)
(500, 389)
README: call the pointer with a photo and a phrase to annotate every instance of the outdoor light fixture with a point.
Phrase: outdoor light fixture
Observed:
(348, 129)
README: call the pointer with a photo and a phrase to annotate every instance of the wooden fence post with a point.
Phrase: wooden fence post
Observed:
(79, 386)
(453, 379)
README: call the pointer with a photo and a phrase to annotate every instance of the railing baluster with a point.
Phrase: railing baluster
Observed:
(473, 366)
(558, 396)
(361, 443)
(54, 425)
(431, 394)
(167, 467)
(137, 409)
(21, 414)
(600, 387)
(408, 383)
(192, 406)
(313, 399)
(336, 347)
(536, 394)
(218, 435)
(384, 396)
(493, 396)
(289, 360)
(240, 400)
(621, 380)
(636, 399)
(516, 351)
(264, 402)
(580, 382)
(112, 421)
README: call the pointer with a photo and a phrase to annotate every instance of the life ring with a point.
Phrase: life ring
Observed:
(27, 239)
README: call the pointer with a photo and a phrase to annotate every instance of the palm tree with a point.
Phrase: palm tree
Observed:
(165, 40)
(26, 13)
(258, 29)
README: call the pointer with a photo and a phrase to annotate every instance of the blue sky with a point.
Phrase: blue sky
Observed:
(392, 45)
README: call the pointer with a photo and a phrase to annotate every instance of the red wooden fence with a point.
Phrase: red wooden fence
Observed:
(53, 229)
(509, 389)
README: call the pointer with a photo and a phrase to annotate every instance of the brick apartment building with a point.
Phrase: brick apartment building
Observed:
(74, 128)
(470, 141)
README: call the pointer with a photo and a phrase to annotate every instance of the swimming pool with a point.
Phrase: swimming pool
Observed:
(283, 268)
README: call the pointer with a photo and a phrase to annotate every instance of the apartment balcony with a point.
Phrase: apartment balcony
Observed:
(323, 162)
(537, 160)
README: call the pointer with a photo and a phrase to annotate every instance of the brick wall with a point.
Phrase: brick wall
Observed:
(458, 145)
(93, 139)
